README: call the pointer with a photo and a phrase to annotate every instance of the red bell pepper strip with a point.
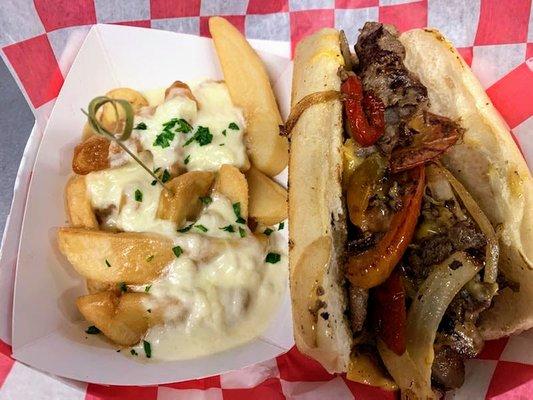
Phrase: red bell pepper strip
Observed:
(364, 112)
(373, 266)
(389, 313)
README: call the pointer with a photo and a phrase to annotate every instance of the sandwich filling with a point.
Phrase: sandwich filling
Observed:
(421, 257)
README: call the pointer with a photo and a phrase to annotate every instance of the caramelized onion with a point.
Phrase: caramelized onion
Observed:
(492, 251)
(429, 306)
(304, 104)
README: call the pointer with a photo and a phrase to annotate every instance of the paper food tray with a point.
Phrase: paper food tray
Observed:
(46, 330)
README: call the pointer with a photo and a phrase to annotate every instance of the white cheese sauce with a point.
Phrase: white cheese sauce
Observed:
(220, 292)
(214, 136)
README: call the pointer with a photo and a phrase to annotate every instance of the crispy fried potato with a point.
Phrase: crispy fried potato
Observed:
(122, 319)
(115, 257)
(184, 203)
(79, 209)
(91, 155)
(97, 286)
(109, 117)
(268, 200)
(232, 183)
(250, 89)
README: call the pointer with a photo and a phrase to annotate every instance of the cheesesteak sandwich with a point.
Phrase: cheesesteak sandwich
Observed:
(410, 208)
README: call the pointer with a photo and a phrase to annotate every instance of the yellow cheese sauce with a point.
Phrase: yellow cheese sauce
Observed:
(214, 136)
(220, 292)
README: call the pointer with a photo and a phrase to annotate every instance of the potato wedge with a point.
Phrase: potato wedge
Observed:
(97, 286)
(115, 257)
(231, 183)
(91, 155)
(79, 209)
(123, 319)
(109, 117)
(268, 200)
(250, 89)
(184, 203)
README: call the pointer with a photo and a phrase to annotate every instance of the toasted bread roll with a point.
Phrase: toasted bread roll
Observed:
(489, 164)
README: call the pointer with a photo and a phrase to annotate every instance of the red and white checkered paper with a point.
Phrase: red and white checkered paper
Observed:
(39, 40)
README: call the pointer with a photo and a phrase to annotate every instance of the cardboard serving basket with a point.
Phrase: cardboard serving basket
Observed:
(47, 328)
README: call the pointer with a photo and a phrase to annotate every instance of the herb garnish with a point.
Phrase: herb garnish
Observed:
(268, 231)
(206, 200)
(233, 126)
(150, 258)
(242, 231)
(178, 251)
(202, 136)
(141, 126)
(228, 228)
(187, 159)
(133, 352)
(138, 195)
(185, 229)
(92, 330)
(272, 258)
(163, 139)
(122, 286)
(147, 288)
(281, 226)
(183, 126)
(107, 263)
(237, 211)
(201, 228)
(166, 176)
(147, 349)
(224, 132)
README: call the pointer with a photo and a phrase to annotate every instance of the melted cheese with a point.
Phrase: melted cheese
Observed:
(212, 109)
(220, 292)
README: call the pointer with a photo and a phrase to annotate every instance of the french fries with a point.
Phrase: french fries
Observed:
(232, 183)
(183, 203)
(122, 319)
(129, 257)
(79, 209)
(268, 200)
(109, 116)
(91, 155)
(250, 89)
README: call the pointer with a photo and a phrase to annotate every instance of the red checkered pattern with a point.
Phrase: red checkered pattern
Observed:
(494, 36)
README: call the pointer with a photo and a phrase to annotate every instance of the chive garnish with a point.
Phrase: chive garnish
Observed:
(107, 263)
(281, 226)
(237, 211)
(147, 288)
(122, 286)
(187, 159)
(141, 126)
(133, 352)
(233, 126)
(206, 200)
(268, 231)
(201, 228)
(150, 258)
(272, 258)
(138, 195)
(228, 228)
(178, 251)
(185, 229)
(242, 231)
(147, 349)
(92, 330)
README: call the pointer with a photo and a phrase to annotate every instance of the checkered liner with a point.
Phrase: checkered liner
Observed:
(495, 37)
